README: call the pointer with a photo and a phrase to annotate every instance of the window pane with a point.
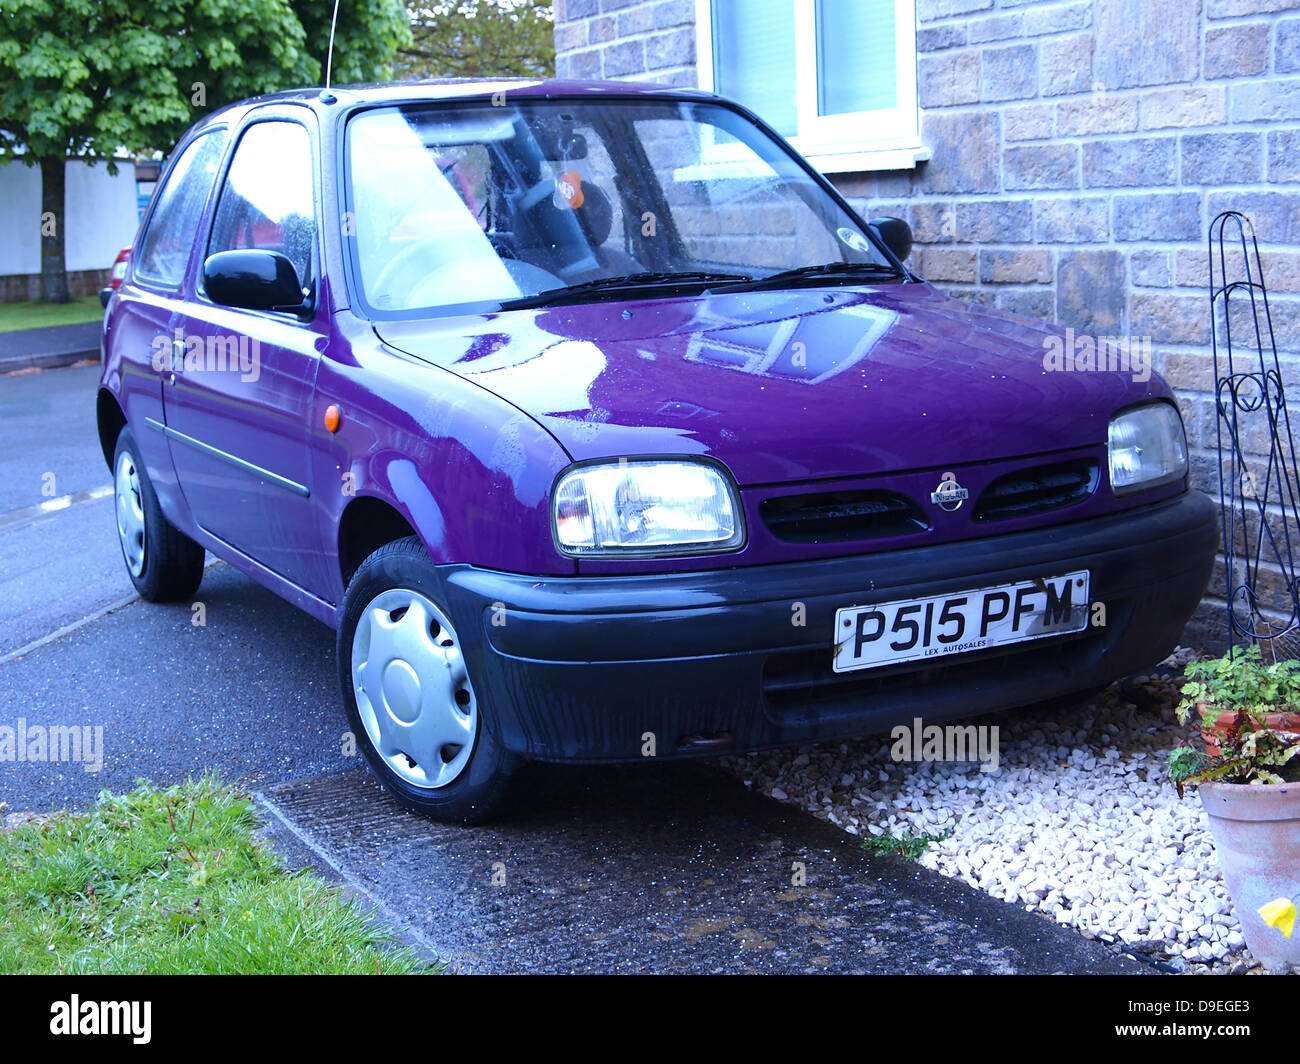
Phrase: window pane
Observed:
(857, 64)
(433, 214)
(165, 249)
(266, 202)
(753, 58)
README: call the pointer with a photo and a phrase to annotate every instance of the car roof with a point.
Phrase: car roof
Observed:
(435, 89)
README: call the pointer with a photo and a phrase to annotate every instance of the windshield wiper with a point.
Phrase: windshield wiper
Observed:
(577, 293)
(818, 272)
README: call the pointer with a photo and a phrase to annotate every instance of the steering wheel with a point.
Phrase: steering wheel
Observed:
(381, 289)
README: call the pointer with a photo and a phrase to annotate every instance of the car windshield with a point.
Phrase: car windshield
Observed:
(475, 206)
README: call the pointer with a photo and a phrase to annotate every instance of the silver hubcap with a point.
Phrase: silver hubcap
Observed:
(130, 513)
(412, 690)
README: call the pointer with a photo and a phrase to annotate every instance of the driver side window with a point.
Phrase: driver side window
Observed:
(267, 202)
(169, 240)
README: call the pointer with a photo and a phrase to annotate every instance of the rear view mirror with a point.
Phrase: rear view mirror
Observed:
(559, 140)
(255, 280)
(896, 235)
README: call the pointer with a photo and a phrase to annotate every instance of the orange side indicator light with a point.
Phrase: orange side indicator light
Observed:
(333, 417)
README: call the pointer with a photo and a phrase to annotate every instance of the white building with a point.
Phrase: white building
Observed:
(101, 219)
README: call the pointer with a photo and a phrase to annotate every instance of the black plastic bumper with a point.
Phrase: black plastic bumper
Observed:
(584, 668)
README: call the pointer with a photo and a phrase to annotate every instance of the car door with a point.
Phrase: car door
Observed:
(239, 405)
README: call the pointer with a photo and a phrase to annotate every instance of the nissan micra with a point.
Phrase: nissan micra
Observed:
(601, 428)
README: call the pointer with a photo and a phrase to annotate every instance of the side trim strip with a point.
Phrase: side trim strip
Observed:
(226, 456)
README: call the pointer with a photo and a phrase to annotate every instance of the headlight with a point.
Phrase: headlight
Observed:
(1147, 448)
(646, 507)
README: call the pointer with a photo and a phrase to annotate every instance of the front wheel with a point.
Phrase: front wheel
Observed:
(426, 730)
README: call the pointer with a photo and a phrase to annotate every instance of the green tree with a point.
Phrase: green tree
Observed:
(91, 79)
(479, 38)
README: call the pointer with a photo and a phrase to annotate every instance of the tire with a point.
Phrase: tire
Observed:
(164, 564)
(427, 732)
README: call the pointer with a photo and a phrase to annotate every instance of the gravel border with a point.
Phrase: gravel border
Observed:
(1078, 823)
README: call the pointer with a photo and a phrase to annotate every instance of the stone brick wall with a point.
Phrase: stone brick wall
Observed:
(645, 40)
(1080, 149)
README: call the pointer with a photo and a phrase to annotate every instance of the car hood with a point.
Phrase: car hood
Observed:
(785, 386)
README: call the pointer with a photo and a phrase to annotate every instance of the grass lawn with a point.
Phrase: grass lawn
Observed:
(173, 881)
(15, 316)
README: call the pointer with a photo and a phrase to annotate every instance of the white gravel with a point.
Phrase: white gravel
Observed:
(1079, 822)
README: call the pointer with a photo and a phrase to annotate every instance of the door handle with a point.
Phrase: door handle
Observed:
(178, 359)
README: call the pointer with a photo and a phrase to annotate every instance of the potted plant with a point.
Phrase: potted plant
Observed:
(1248, 778)
(1216, 687)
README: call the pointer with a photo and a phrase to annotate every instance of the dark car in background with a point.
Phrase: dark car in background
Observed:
(600, 427)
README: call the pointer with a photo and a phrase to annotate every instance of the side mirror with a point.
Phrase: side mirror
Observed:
(896, 235)
(255, 280)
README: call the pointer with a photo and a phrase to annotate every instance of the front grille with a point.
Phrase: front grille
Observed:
(841, 516)
(1037, 490)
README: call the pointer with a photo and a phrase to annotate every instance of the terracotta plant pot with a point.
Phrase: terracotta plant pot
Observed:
(1257, 837)
(1284, 721)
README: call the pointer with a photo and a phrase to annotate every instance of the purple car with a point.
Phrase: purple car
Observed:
(601, 428)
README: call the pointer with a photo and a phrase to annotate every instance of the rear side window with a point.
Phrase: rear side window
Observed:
(169, 239)
(267, 200)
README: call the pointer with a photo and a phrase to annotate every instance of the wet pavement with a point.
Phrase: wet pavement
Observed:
(657, 869)
(49, 346)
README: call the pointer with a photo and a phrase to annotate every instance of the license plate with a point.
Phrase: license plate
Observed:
(889, 633)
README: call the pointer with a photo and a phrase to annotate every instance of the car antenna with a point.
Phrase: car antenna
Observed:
(325, 94)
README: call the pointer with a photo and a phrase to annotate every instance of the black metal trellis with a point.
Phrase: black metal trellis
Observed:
(1258, 488)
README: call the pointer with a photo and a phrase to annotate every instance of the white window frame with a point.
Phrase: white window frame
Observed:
(836, 143)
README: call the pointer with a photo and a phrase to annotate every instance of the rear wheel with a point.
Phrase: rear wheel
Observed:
(425, 728)
(164, 564)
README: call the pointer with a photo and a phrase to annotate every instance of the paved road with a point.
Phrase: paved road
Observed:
(252, 693)
(662, 868)
(59, 558)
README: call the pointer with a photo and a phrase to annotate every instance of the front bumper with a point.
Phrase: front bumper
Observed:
(582, 668)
